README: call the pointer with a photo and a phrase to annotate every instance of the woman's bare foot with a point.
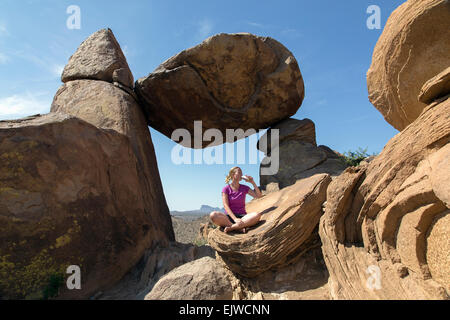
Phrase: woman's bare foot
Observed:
(235, 227)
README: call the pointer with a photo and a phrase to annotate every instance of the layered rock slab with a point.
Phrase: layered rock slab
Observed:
(70, 194)
(289, 216)
(389, 215)
(228, 81)
(413, 48)
(435, 88)
(294, 147)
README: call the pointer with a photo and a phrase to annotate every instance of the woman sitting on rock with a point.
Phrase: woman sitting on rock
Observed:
(233, 197)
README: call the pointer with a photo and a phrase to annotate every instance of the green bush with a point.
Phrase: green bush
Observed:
(200, 242)
(52, 289)
(353, 158)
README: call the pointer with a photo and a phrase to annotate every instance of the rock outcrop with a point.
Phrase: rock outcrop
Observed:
(99, 57)
(412, 49)
(228, 81)
(70, 194)
(304, 279)
(289, 217)
(386, 223)
(84, 191)
(435, 88)
(202, 279)
(298, 154)
(155, 263)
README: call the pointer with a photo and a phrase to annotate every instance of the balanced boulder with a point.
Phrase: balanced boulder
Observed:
(229, 81)
(412, 49)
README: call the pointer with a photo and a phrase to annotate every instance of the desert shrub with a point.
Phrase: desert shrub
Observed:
(200, 241)
(52, 289)
(354, 158)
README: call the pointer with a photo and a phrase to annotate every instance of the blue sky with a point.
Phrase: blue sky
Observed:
(329, 39)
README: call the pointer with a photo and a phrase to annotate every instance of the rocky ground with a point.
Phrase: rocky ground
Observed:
(187, 228)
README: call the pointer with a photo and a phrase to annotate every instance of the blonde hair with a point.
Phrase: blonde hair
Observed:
(229, 176)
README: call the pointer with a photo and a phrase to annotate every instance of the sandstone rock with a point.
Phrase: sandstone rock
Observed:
(289, 129)
(331, 154)
(155, 263)
(303, 279)
(410, 51)
(294, 157)
(70, 194)
(106, 106)
(99, 57)
(228, 81)
(202, 279)
(436, 87)
(298, 155)
(289, 216)
(391, 214)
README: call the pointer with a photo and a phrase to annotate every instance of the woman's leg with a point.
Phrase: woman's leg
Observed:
(220, 219)
(251, 219)
(248, 220)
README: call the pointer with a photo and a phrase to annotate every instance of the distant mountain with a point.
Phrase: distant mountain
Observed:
(204, 209)
(207, 209)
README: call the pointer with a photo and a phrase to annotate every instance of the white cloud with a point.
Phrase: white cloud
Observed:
(290, 32)
(19, 106)
(205, 28)
(3, 58)
(255, 24)
(3, 30)
(57, 69)
(125, 50)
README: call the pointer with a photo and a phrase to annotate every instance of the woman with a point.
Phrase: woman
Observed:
(233, 197)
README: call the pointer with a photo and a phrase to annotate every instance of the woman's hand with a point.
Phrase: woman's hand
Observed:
(238, 221)
(248, 179)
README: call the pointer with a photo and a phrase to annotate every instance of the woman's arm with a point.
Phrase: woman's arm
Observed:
(254, 193)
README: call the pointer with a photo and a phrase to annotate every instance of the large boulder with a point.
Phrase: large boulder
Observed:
(289, 217)
(155, 263)
(108, 107)
(99, 57)
(228, 81)
(297, 154)
(390, 217)
(70, 194)
(202, 279)
(412, 49)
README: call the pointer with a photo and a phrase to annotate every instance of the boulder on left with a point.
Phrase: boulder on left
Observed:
(69, 195)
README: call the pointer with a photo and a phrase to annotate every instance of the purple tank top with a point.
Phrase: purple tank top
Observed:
(236, 199)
